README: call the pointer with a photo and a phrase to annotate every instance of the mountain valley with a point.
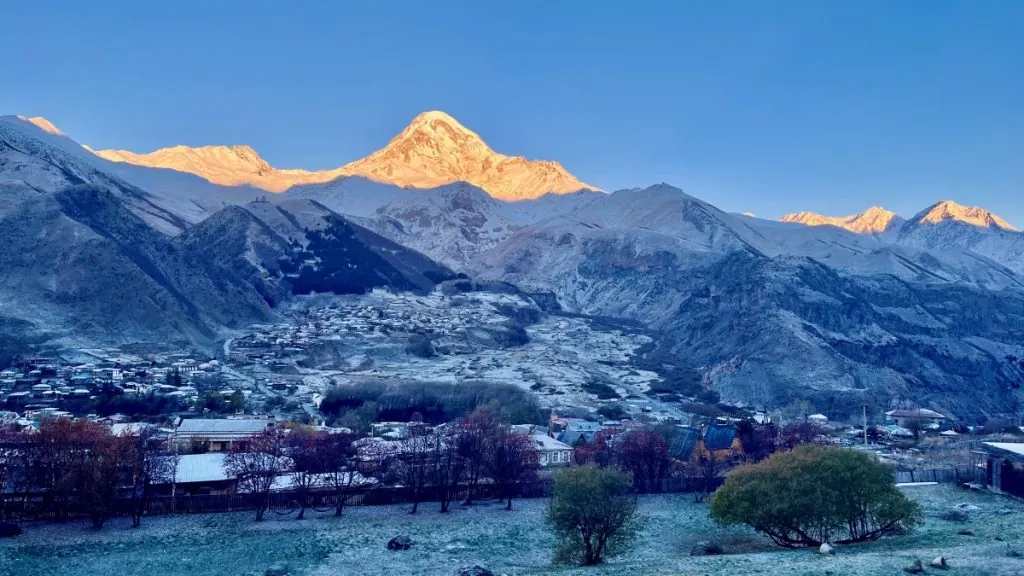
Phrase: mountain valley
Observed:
(194, 246)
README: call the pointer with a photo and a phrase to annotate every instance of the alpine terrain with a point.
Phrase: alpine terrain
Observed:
(187, 244)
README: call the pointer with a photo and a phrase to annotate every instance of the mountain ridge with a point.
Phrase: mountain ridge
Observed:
(433, 150)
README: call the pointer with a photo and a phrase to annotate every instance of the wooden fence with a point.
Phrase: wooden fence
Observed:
(941, 475)
(37, 507)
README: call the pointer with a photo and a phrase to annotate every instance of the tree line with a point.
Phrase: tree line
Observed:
(443, 461)
(70, 467)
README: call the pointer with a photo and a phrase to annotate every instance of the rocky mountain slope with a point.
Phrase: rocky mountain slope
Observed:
(80, 266)
(770, 313)
(433, 150)
(843, 312)
(301, 247)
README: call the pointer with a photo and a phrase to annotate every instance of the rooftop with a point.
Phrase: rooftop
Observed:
(224, 426)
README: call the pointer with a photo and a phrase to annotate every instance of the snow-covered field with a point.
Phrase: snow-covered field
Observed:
(508, 542)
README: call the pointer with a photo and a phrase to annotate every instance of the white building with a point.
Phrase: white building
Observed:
(552, 452)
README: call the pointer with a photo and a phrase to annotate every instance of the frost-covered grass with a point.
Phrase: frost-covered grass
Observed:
(512, 543)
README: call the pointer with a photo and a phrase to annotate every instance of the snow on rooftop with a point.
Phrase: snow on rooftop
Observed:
(1014, 447)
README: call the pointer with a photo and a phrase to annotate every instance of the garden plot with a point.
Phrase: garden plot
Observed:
(508, 542)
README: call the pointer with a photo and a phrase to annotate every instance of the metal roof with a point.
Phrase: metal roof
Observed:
(683, 441)
(223, 426)
(718, 437)
(1011, 447)
(201, 468)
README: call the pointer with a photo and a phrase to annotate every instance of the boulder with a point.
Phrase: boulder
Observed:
(826, 548)
(940, 562)
(915, 568)
(400, 543)
(955, 515)
(474, 570)
(278, 569)
(965, 533)
(965, 507)
(706, 549)
(9, 530)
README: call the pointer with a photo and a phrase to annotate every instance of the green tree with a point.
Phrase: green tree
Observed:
(813, 494)
(592, 514)
(173, 378)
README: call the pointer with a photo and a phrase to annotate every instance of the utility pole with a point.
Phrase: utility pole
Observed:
(865, 407)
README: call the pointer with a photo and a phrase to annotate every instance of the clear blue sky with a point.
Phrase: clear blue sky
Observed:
(763, 106)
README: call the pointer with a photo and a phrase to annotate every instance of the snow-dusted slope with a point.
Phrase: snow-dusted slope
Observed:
(41, 158)
(950, 231)
(949, 226)
(432, 151)
(769, 312)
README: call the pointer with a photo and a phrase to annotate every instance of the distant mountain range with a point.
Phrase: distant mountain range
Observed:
(432, 151)
(188, 244)
(944, 225)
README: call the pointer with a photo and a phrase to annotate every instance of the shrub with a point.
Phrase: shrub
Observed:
(436, 402)
(420, 345)
(613, 412)
(813, 495)
(592, 514)
(601, 390)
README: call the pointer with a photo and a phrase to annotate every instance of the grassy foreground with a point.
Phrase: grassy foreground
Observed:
(508, 542)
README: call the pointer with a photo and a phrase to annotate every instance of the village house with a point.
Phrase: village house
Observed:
(1004, 467)
(212, 435)
(929, 419)
(690, 444)
(551, 452)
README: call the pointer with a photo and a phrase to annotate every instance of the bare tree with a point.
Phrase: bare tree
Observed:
(255, 465)
(14, 447)
(341, 475)
(449, 466)
(477, 432)
(303, 448)
(59, 453)
(708, 467)
(149, 461)
(415, 466)
(513, 458)
(102, 475)
(644, 453)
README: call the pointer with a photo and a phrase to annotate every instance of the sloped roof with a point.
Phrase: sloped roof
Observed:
(683, 441)
(546, 443)
(719, 437)
(223, 426)
(201, 468)
(921, 413)
(1016, 448)
(573, 437)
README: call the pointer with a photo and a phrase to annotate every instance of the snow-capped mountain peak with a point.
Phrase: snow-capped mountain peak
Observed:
(43, 124)
(874, 220)
(432, 151)
(435, 149)
(948, 210)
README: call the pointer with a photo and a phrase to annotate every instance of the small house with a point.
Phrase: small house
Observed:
(551, 451)
(929, 419)
(1004, 467)
(218, 435)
